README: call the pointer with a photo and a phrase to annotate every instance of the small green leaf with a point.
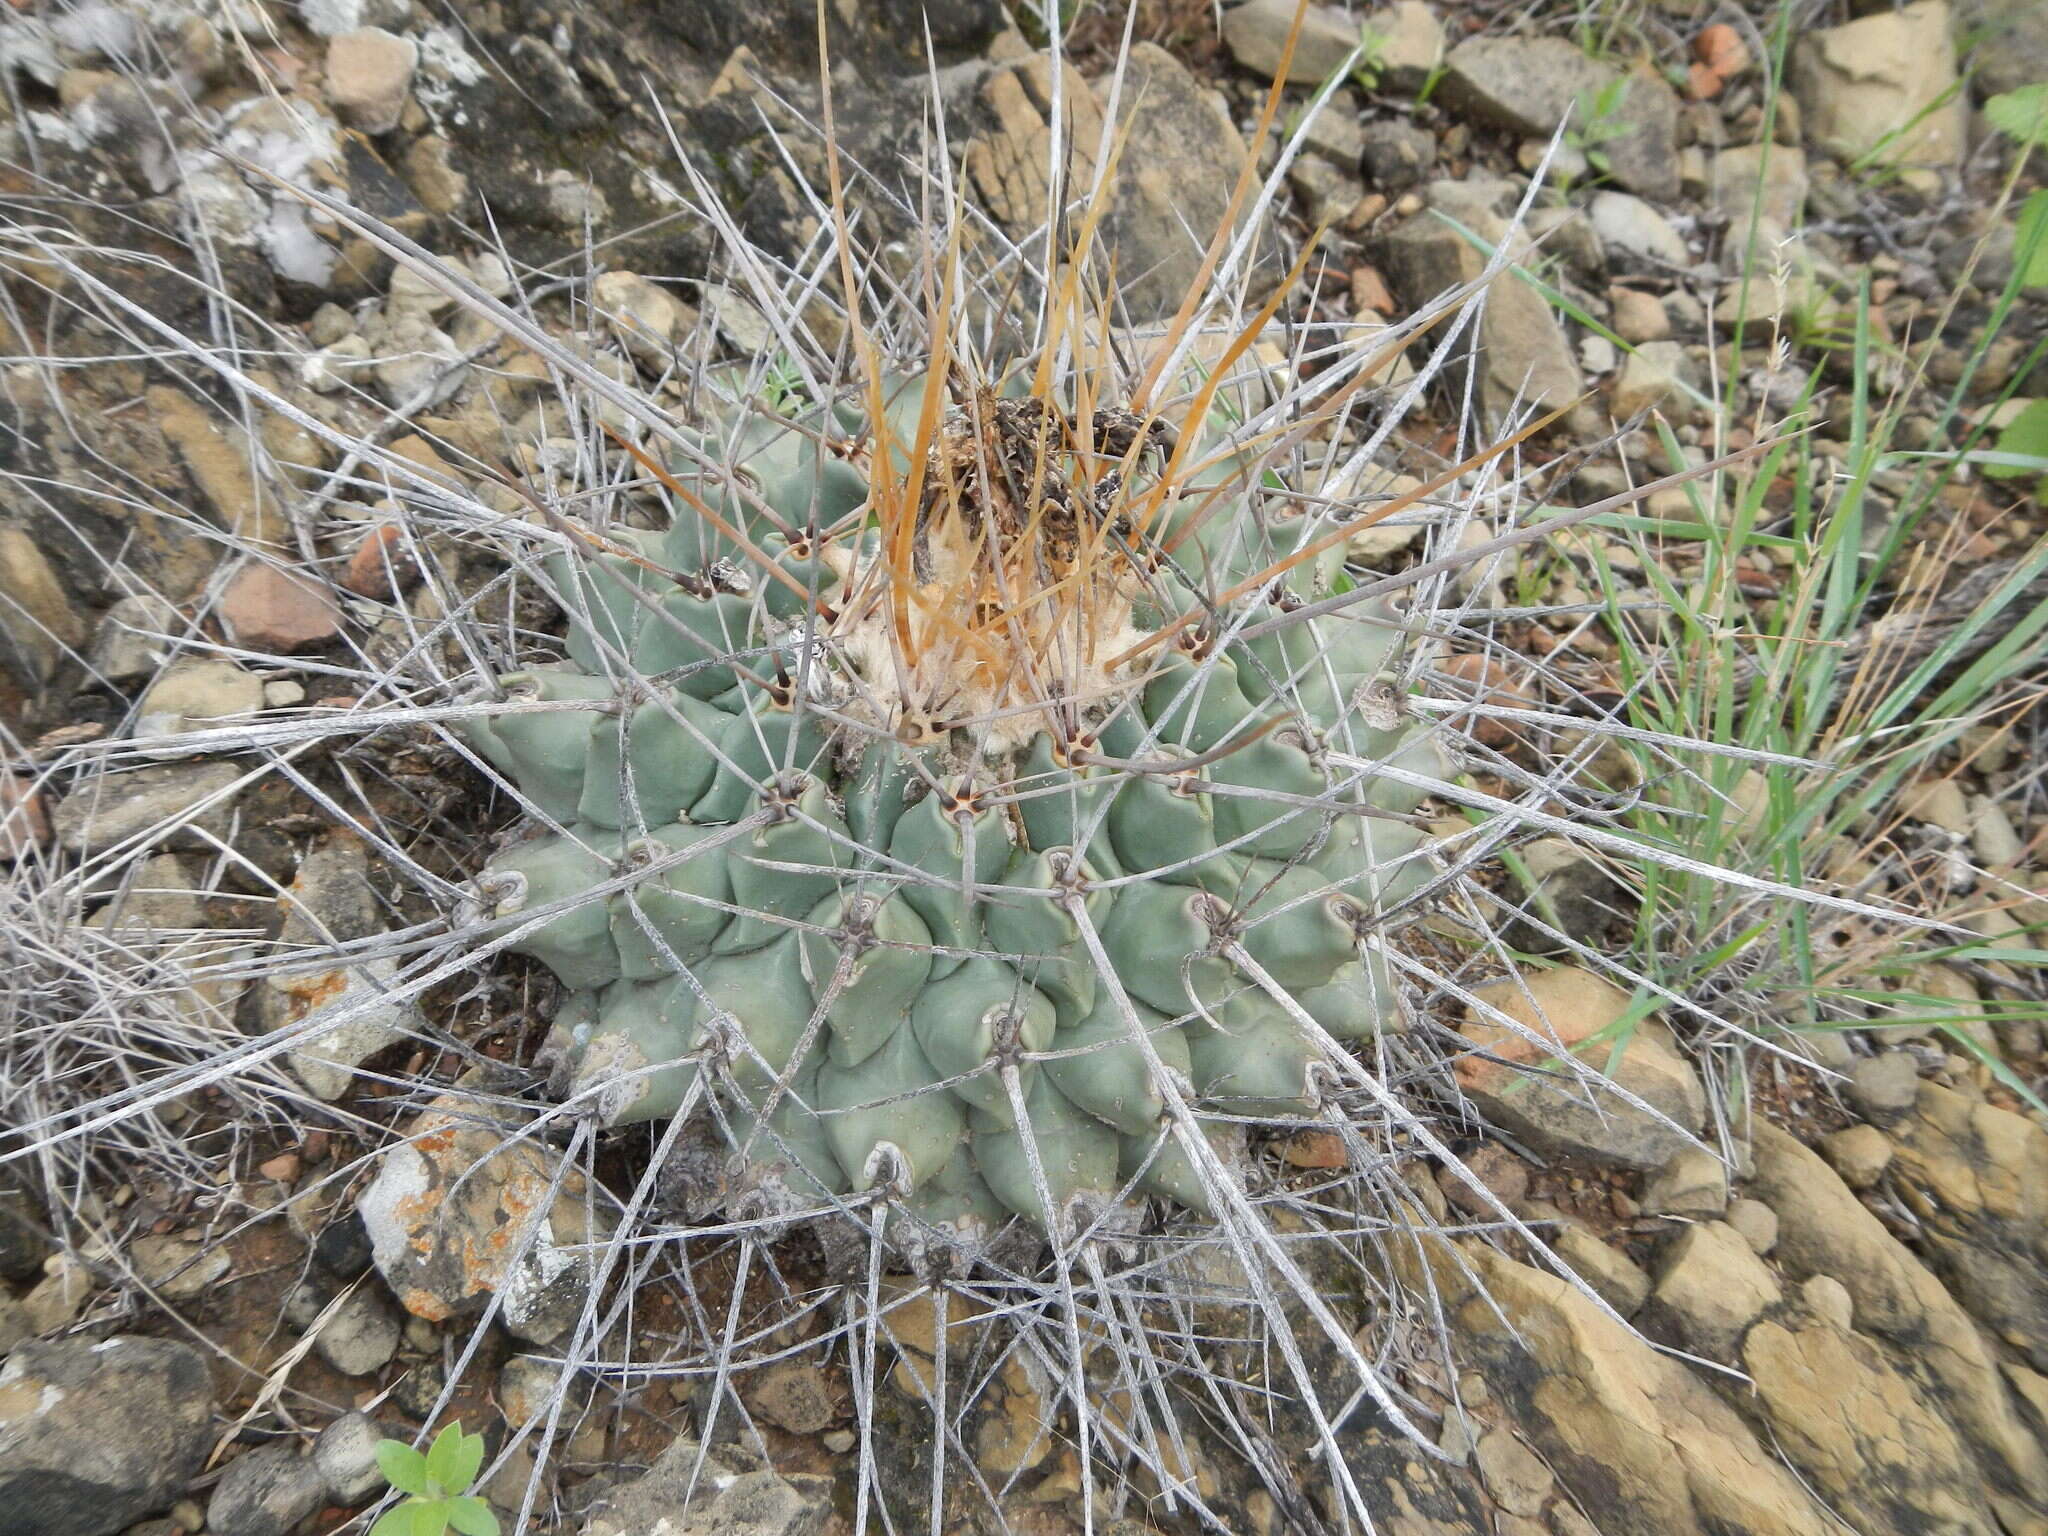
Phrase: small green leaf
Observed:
(403, 1467)
(468, 1459)
(471, 1516)
(394, 1522)
(444, 1460)
(2021, 114)
(2030, 240)
(2025, 437)
(429, 1517)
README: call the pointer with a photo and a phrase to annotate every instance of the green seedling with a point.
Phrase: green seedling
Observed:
(435, 1485)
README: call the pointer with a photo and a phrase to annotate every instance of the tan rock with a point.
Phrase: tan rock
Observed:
(1884, 86)
(1757, 1223)
(369, 72)
(24, 820)
(1858, 1430)
(221, 464)
(39, 625)
(1638, 316)
(1640, 1439)
(1694, 1183)
(1571, 1010)
(1009, 164)
(1824, 1229)
(1615, 1277)
(1513, 1474)
(1713, 1286)
(1860, 1154)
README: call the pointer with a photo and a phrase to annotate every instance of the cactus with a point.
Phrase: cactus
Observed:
(849, 775)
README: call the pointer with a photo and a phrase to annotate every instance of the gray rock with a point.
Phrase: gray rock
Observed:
(96, 1435)
(14, 1324)
(345, 1454)
(1405, 44)
(161, 804)
(1521, 349)
(527, 1385)
(1396, 154)
(131, 642)
(1741, 177)
(265, 1492)
(179, 1267)
(1256, 35)
(792, 1395)
(1636, 237)
(2012, 42)
(362, 1335)
(330, 902)
(415, 360)
(734, 1494)
(1649, 380)
(1885, 1087)
(1335, 132)
(1569, 235)
(1181, 159)
(1326, 193)
(1531, 85)
(197, 693)
(456, 1213)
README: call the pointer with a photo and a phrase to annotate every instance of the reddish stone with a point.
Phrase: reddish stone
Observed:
(266, 609)
(24, 824)
(1314, 1149)
(380, 568)
(1369, 291)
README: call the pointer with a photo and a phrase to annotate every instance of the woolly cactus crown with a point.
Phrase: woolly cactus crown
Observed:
(949, 787)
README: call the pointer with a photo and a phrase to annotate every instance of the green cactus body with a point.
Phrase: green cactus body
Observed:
(869, 932)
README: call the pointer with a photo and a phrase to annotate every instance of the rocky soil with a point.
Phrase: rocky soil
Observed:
(1826, 1306)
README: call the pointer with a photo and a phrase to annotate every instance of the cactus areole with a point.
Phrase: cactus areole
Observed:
(945, 806)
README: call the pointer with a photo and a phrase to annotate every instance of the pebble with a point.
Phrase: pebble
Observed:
(195, 693)
(645, 316)
(527, 1385)
(1616, 1278)
(267, 609)
(1694, 1183)
(1993, 838)
(1829, 1300)
(1638, 316)
(132, 639)
(1714, 1286)
(1885, 1087)
(1756, 1222)
(24, 822)
(267, 1491)
(1860, 1154)
(283, 693)
(1637, 237)
(346, 1456)
(362, 1335)
(369, 72)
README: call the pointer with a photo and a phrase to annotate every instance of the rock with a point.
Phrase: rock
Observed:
(1649, 380)
(369, 72)
(792, 1395)
(461, 1209)
(1993, 838)
(1180, 162)
(342, 1009)
(133, 638)
(1256, 35)
(1885, 86)
(14, 1324)
(1513, 1474)
(1977, 1178)
(1636, 237)
(1829, 1300)
(54, 1301)
(1824, 1229)
(1575, 1115)
(1756, 1222)
(41, 626)
(177, 1268)
(2011, 43)
(1405, 44)
(1326, 193)
(1504, 1176)
(1638, 317)
(416, 362)
(175, 804)
(738, 320)
(267, 609)
(1860, 1154)
(1760, 188)
(527, 1388)
(381, 566)
(24, 822)
(1523, 355)
(1641, 1442)
(345, 1454)
(723, 1492)
(644, 316)
(1008, 164)
(1885, 1087)
(1712, 1286)
(1530, 85)
(195, 693)
(1861, 1435)
(1396, 154)
(95, 1434)
(361, 1336)
(1694, 1183)
(265, 1492)
(222, 462)
(1614, 1277)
